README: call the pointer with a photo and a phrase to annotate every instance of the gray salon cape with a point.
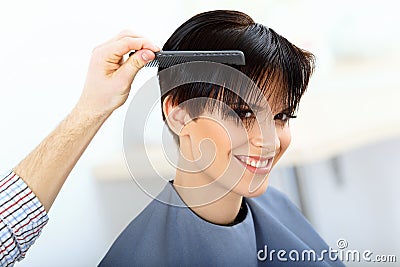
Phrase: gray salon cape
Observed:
(273, 233)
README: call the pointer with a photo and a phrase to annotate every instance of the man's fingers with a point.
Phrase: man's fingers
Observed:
(114, 51)
(126, 44)
(111, 55)
(134, 63)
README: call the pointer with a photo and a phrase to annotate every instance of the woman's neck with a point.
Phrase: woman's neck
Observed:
(206, 198)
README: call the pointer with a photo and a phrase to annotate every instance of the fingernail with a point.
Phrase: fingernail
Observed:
(145, 56)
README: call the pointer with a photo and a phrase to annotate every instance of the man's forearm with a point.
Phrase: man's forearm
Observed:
(46, 168)
(107, 87)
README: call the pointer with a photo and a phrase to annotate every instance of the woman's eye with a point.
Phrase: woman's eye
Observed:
(283, 117)
(244, 113)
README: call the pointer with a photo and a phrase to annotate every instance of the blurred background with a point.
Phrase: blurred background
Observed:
(343, 169)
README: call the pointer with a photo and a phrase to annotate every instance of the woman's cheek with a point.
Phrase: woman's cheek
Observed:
(285, 137)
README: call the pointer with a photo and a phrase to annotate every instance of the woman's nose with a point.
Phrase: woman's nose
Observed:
(264, 136)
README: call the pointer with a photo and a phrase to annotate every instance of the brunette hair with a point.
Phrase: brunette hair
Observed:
(279, 68)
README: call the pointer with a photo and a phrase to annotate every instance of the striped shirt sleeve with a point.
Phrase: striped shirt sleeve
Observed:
(22, 218)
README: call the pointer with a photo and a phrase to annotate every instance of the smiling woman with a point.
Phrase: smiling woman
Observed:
(280, 71)
(230, 140)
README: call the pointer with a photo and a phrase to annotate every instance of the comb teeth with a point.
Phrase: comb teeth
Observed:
(166, 59)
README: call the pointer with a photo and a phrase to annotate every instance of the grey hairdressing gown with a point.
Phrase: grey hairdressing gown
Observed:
(167, 235)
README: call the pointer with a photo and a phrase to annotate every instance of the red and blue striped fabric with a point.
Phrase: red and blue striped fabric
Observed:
(22, 218)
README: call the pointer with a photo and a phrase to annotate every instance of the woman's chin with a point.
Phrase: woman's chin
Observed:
(251, 190)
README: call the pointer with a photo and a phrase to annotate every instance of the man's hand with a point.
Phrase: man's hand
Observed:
(107, 87)
(109, 77)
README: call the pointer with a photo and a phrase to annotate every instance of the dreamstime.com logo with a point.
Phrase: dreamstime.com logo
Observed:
(342, 253)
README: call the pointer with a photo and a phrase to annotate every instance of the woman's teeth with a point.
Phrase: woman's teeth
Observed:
(255, 163)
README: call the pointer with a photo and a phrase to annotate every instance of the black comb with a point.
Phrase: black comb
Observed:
(167, 59)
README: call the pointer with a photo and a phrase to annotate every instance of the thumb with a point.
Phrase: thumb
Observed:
(135, 62)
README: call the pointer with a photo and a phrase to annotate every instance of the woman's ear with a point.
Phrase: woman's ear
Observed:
(176, 116)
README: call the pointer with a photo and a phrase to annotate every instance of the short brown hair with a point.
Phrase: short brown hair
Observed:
(274, 64)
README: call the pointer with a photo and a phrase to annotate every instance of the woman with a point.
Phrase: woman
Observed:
(216, 211)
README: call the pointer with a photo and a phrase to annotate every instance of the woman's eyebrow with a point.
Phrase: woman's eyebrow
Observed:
(246, 105)
(286, 110)
(255, 107)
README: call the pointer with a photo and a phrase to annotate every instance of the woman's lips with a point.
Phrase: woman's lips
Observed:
(256, 164)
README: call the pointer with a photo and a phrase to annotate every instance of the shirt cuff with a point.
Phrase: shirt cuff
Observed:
(21, 211)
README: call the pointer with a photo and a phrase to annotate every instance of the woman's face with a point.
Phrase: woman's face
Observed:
(242, 157)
